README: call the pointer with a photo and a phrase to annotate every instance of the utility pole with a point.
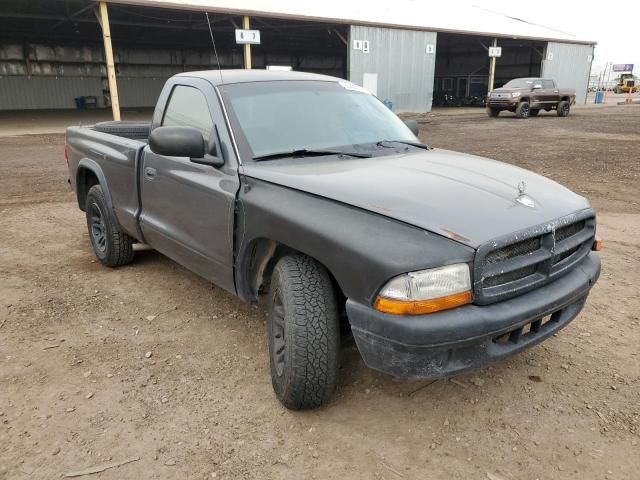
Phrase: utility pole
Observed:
(111, 69)
(492, 67)
(247, 47)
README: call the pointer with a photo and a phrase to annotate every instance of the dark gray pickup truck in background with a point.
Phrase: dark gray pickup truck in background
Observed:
(306, 189)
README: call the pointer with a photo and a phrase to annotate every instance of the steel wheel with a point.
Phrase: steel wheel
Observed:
(277, 333)
(98, 228)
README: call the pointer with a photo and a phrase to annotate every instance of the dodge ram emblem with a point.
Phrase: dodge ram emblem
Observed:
(522, 188)
(522, 197)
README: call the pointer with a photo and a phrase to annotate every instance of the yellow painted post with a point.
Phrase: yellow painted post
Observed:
(247, 47)
(492, 67)
(111, 69)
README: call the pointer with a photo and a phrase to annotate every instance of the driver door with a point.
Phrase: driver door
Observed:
(187, 208)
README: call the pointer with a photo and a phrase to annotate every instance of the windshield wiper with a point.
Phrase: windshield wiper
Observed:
(303, 152)
(413, 144)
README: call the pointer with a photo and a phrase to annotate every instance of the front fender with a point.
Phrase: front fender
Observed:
(361, 249)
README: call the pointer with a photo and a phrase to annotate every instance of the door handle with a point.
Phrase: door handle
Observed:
(149, 172)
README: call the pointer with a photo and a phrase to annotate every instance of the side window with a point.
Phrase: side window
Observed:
(548, 84)
(188, 107)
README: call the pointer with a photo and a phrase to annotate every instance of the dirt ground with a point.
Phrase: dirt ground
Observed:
(78, 388)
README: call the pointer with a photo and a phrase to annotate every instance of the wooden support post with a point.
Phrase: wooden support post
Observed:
(111, 69)
(492, 67)
(247, 47)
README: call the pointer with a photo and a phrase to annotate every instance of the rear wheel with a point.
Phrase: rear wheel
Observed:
(304, 336)
(523, 110)
(111, 245)
(563, 108)
(493, 112)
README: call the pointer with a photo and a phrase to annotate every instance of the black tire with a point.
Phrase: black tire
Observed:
(534, 112)
(523, 110)
(304, 333)
(111, 245)
(127, 129)
(563, 108)
(493, 112)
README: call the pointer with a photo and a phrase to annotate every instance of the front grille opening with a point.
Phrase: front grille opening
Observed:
(567, 254)
(515, 250)
(507, 277)
(569, 230)
(532, 328)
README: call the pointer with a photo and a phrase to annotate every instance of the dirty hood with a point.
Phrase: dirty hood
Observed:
(468, 198)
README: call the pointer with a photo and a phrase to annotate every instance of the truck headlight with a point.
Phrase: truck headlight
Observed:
(426, 291)
(515, 94)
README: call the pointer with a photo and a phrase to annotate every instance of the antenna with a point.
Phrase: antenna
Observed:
(215, 51)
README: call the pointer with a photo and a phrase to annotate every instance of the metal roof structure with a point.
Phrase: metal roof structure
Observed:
(461, 17)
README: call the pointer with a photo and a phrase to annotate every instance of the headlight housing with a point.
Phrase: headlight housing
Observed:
(426, 291)
(515, 94)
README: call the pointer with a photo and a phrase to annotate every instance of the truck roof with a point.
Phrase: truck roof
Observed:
(224, 77)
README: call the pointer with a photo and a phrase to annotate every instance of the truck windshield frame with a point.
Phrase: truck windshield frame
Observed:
(293, 115)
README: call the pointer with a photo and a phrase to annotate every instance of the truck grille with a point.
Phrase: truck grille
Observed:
(515, 264)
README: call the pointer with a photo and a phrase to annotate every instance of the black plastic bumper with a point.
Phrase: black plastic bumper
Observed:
(469, 337)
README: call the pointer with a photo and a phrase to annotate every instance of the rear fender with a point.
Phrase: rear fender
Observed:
(85, 166)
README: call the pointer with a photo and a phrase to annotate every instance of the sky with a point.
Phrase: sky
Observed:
(614, 26)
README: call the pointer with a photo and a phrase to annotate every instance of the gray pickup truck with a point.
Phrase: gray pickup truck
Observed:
(307, 190)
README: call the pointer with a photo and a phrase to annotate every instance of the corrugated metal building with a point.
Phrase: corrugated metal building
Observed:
(413, 53)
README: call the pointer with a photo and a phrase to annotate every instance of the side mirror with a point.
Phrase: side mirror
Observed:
(177, 142)
(413, 126)
(536, 86)
(182, 142)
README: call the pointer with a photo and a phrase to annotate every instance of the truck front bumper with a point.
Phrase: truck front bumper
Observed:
(469, 337)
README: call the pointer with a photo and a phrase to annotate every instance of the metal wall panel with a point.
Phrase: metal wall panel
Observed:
(399, 57)
(569, 65)
(23, 93)
(139, 92)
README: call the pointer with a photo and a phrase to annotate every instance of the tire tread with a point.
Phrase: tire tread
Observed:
(308, 293)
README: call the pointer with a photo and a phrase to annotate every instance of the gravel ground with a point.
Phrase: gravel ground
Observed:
(150, 362)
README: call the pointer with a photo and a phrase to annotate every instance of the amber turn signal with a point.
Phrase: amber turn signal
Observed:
(422, 307)
(598, 245)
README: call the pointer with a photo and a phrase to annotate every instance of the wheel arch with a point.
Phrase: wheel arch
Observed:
(89, 174)
(257, 262)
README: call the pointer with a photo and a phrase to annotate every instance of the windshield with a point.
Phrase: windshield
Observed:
(521, 82)
(286, 116)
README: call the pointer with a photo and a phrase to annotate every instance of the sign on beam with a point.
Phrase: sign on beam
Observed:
(495, 51)
(244, 37)
(623, 67)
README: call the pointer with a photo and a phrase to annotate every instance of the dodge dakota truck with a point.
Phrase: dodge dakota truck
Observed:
(527, 96)
(307, 192)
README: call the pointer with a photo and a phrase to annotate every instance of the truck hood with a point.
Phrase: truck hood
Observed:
(464, 197)
(510, 90)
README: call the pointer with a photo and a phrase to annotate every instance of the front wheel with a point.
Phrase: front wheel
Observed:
(563, 108)
(493, 112)
(304, 334)
(534, 112)
(523, 110)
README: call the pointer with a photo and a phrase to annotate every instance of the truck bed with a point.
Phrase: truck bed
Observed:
(117, 158)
